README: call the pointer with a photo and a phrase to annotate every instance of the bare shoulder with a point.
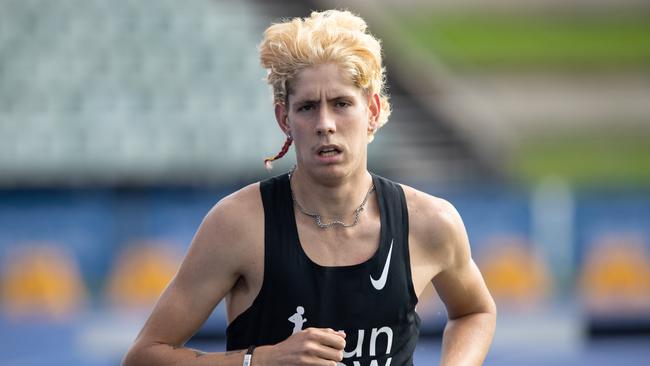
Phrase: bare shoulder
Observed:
(237, 214)
(436, 227)
(237, 211)
(231, 230)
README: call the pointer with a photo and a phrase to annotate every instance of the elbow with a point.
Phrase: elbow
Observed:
(493, 308)
(490, 312)
(130, 357)
(493, 318)
(135, 356)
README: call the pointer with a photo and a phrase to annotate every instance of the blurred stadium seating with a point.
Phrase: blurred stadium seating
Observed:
(141, 273)
(138, 91)
(615, 276)
(41, 280)
(515, 273)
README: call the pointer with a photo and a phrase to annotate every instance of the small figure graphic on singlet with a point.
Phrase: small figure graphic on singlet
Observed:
(297, 319)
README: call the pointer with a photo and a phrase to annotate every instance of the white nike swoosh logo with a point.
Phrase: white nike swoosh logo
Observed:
(381, 282)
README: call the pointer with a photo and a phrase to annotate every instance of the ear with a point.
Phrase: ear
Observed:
(281, 115)
(374, 107)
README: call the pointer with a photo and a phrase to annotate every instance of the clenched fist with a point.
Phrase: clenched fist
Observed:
(312, 346)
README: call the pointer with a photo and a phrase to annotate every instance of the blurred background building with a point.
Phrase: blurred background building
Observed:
(122, 122)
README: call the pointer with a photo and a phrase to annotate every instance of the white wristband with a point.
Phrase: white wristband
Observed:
(247, 360)
(248, 357)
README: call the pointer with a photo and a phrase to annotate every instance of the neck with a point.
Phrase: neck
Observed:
(335, 200)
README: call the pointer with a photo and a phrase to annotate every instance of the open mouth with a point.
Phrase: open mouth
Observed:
(328, 151)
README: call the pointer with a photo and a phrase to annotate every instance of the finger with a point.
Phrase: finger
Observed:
(323, 352)
(337, 332)
(329, 338)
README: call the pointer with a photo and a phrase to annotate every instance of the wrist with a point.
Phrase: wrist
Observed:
(261, 357)
(248, 356)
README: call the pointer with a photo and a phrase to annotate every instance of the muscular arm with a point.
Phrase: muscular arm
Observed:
(224, 249)
(209, 271)
(444, 247)
(472, 315)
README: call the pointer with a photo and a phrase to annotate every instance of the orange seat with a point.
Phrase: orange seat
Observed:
(141, 273)
(41, 279)
(514, 273)
(616, 275)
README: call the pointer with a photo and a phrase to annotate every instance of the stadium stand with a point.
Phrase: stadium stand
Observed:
(142, 91)
(147, 92)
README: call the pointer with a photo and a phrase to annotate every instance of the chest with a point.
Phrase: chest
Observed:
(339, 246)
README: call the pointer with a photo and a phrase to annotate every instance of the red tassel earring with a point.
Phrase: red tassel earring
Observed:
(268, 161)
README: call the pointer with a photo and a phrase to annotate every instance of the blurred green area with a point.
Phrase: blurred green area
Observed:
(585, 160)
(589, 43)
(511, 42)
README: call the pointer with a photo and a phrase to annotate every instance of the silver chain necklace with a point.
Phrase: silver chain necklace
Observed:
(317, 217)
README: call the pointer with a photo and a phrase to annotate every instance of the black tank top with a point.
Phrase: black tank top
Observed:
(373, 302)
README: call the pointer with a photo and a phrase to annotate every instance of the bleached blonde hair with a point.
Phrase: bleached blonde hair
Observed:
(331, 36)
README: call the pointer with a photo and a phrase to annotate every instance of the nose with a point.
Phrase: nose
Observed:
(326, 123)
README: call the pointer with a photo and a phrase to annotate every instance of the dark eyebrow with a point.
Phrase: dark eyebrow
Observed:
(314, 101)
(306, 101)
(344, 96)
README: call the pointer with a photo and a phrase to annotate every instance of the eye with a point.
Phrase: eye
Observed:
(342, 104)
(305, 107)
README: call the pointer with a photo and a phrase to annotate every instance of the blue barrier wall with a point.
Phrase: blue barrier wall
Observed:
(95, 224)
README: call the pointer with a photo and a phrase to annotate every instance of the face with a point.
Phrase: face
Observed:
(329, 119)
